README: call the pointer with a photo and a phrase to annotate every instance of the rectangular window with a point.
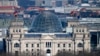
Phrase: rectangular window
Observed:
(58, 51)
(79, 30)
(26, 50)
(83, 30)
(76, 30)
(69, 49)
(37, 50)
(43, 2)
(88, 35)
(38, 54)
(19, 30)
(64, 45)
(69, 45)
(58, 45)
(83, 35)
(63, 49)
(32, 45)
(26, 45)
(37, 45)
(32, 50)
(13, 30)
(48, 44)
(26, 54)
(16, 30)
(32, 54)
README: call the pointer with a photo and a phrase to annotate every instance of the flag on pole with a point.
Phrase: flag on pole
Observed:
(72, 13)
(15, 14)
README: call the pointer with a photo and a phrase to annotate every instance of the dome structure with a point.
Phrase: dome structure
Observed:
(46, 22)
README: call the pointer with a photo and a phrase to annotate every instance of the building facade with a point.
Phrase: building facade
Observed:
(54, 3)
(48, 41)
(9, 3)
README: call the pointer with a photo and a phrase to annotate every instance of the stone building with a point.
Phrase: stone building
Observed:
(46, 34)
(9, 3)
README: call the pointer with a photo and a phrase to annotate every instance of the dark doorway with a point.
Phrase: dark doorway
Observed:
(16, 53)
(48, 51)
(94, 40)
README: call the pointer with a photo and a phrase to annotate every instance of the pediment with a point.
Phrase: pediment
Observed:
(47, 37)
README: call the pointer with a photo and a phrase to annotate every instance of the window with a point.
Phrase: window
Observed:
(38, 54)
(64, 45)
(69, 45)
(32, 50)
(19, 30)
(26, 45)
(69, 49)
(58, 51)
(37, 49)
(43, 2)
(72, 25)
(26, 50)
(32, 54)
(63, 49)
(76, 30)
(13, 30)
(37, 45)
(16, 45)
(83, 30)
(48, 44)
(88, 35)
(80, 52)
(58, 45)
(80, 30)
(83, 35)
(80, 44)
(26, 54)
(16, 30)
(32, 45)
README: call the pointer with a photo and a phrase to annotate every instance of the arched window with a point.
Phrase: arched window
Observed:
(48, 51)
(80, 44)
(16, 45)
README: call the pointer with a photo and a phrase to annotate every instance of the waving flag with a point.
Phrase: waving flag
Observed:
(15, 14)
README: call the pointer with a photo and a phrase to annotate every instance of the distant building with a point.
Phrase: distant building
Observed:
(9, 3)
(7, 9)
(54, 3)
(46, 34)
(8, 6)
(3, 34)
